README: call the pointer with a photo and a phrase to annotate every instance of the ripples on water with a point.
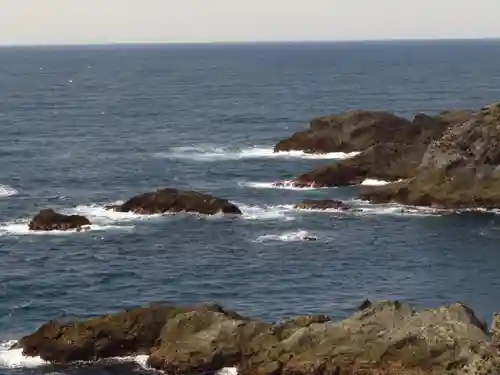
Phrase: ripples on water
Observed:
(83, 127)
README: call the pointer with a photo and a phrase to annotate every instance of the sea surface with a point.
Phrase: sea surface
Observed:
(81, 127)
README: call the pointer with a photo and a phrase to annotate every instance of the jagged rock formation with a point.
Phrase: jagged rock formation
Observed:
(394, 152)
(459, 170)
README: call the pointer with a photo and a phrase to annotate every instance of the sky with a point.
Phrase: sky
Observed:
(129, 21)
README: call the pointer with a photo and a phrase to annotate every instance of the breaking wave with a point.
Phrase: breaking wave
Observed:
(7, 191)
(212, 153)
(267, 212)
(15, 359)
(299, 235)
(284, 185)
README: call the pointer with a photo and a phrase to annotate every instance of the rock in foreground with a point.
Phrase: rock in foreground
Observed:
(48, 220)
(174, 200)
(384, 338)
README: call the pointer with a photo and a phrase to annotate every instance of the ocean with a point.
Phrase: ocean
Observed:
(82, 127)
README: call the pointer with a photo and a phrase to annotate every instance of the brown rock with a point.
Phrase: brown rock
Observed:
(48, 220)
(351, 131)
(174, 200)
(115, 335)
(459, 170)
(385, 338)
(199, 342)
(394, 159)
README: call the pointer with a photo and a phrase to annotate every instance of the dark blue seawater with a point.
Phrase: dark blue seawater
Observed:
(81, 127)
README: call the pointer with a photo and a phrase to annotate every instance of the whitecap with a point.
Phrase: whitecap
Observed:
(299, 235)
(373, 182)
(266, 212)
(228, 371)
(7, 191)
(20, 228)
(100, 214)
(14, 358)
(283, 185)
(395, 209)
(210, 153)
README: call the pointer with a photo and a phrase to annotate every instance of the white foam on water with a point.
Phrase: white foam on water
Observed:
(284, 185)
(374, 182)
(141, 360)
(16, 359)
(394, 209)
(101, 219)
(20, 228)
(99, 214)
(299, 235)
(215, 153)
(277, 212)
(7, 191)
(228, 371)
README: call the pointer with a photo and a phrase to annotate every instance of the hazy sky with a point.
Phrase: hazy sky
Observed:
(105, 21)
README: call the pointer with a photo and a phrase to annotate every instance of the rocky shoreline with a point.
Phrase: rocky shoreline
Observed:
(383, 338)
(451, 160)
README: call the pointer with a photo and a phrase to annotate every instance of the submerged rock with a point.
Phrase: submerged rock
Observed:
(48, 220)
(382, 338)
(322, 204)
(174, 200)
(459, 170)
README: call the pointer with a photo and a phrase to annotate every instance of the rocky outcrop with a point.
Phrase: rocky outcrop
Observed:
(125, 333)
(174, 200)
(459, 170)
(322, 204)
(348, 132)
(48, 220)
(390, 158)
(380, 339)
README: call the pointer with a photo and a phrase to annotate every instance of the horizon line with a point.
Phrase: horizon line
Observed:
(241, 42)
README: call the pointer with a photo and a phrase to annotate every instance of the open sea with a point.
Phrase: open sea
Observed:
(81, 127)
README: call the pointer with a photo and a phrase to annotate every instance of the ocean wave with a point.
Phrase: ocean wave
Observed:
(228, 371)
(267, 212)
(295, 236)
(209, 153)
(20, 228)
(16, 359)
(284, 185)
(365, 208)
(7, 191)
(100, 214)
(101, 219)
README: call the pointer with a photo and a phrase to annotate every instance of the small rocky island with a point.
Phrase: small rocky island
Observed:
(49, 220)
(448, 160)
(385, 338)
(175, 200)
